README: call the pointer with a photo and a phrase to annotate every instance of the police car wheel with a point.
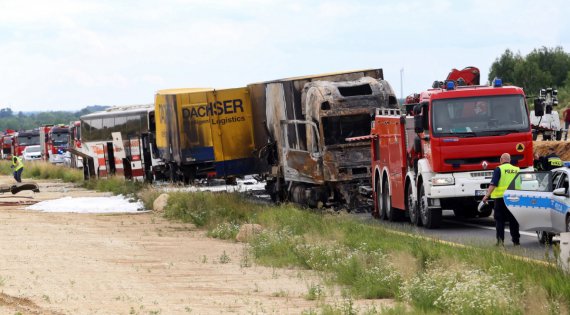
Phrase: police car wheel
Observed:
(567, 223)
(544, 237)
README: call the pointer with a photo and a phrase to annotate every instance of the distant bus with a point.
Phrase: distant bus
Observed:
(120, 141)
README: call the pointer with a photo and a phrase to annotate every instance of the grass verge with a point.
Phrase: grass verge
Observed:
(370, 261)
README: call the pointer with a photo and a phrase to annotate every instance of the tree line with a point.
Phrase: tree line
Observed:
(542, 68)
(27, 121)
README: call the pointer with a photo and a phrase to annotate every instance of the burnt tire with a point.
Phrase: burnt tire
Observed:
(412, 207)
(431, 218)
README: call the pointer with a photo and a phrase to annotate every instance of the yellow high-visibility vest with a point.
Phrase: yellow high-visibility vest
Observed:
(18, 164)
(508, 173)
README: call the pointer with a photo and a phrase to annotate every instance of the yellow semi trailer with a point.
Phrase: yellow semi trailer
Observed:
(205, 132)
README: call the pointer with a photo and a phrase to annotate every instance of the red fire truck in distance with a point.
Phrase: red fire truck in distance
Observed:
(7, 144)
(57, 142)
(22, 139)
(440, 153)
(74, 160)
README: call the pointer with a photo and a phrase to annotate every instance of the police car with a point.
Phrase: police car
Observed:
(540, 202)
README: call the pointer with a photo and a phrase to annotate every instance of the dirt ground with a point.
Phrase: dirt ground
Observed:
(64, 263)
(562, 148)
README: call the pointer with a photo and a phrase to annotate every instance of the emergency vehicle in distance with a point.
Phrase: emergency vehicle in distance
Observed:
(440, 153)
(54, 141)
(22, 139)
(73, 160)
(7, 144)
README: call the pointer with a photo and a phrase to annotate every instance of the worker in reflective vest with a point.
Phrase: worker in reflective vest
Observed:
(503, 175)
(548, 162)
(18, 167)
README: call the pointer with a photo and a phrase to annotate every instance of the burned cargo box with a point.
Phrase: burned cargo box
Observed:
(205, 132)
(306, 121)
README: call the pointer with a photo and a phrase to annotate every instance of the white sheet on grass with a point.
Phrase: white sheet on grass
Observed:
(114, 204)
(243, 185)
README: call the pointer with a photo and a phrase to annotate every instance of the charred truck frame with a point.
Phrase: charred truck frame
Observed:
(300, 127)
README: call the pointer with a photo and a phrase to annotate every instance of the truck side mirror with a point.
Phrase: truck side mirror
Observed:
(418, 123)
(538, 107)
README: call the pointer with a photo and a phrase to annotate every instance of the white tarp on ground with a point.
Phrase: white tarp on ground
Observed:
(114, 204)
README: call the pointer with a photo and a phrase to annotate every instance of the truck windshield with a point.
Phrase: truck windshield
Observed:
(479, 116)
(29, 140)
(59, 138)
(338, 128)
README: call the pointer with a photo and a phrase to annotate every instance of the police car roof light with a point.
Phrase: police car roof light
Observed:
(497, 82)
(450, 85)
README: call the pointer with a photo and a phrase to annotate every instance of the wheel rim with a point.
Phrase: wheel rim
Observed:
(412, 212)
(423, 205)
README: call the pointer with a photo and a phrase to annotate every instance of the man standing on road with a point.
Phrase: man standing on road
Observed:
(503, 175)
(18, 167)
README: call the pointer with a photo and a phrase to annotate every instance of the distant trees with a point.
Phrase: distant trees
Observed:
(25, 121)
(5, 112)
(541, 68)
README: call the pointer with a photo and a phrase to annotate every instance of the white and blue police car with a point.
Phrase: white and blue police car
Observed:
(540, 202)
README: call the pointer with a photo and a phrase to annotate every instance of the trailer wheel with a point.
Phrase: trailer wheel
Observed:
(431, 218)
(411, 207)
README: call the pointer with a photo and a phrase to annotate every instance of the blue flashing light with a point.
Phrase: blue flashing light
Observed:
(497, 82)
(450, 85)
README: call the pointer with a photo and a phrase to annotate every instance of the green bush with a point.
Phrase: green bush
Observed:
(466, 290)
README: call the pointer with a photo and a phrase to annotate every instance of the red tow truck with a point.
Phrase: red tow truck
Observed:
(439, 152)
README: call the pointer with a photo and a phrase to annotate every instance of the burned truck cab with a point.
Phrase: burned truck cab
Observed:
(343, 110)
(307, 120)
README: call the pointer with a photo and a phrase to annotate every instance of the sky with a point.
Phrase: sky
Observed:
(68, 54)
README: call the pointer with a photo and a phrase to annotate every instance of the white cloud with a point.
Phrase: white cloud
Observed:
(75, 53)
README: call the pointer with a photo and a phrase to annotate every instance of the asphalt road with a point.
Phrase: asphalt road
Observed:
(478, 232)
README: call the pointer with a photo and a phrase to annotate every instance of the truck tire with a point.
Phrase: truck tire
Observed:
(546, 137)
(558, 135)
(391, 213)
(380, 213)
(534, 135)
(431, 218)
(466, 209)
(411, 207)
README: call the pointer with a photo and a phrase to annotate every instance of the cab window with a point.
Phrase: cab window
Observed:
(534, 181)
(562, 182)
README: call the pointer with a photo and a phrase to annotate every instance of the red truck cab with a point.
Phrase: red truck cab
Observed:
(440, 153)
